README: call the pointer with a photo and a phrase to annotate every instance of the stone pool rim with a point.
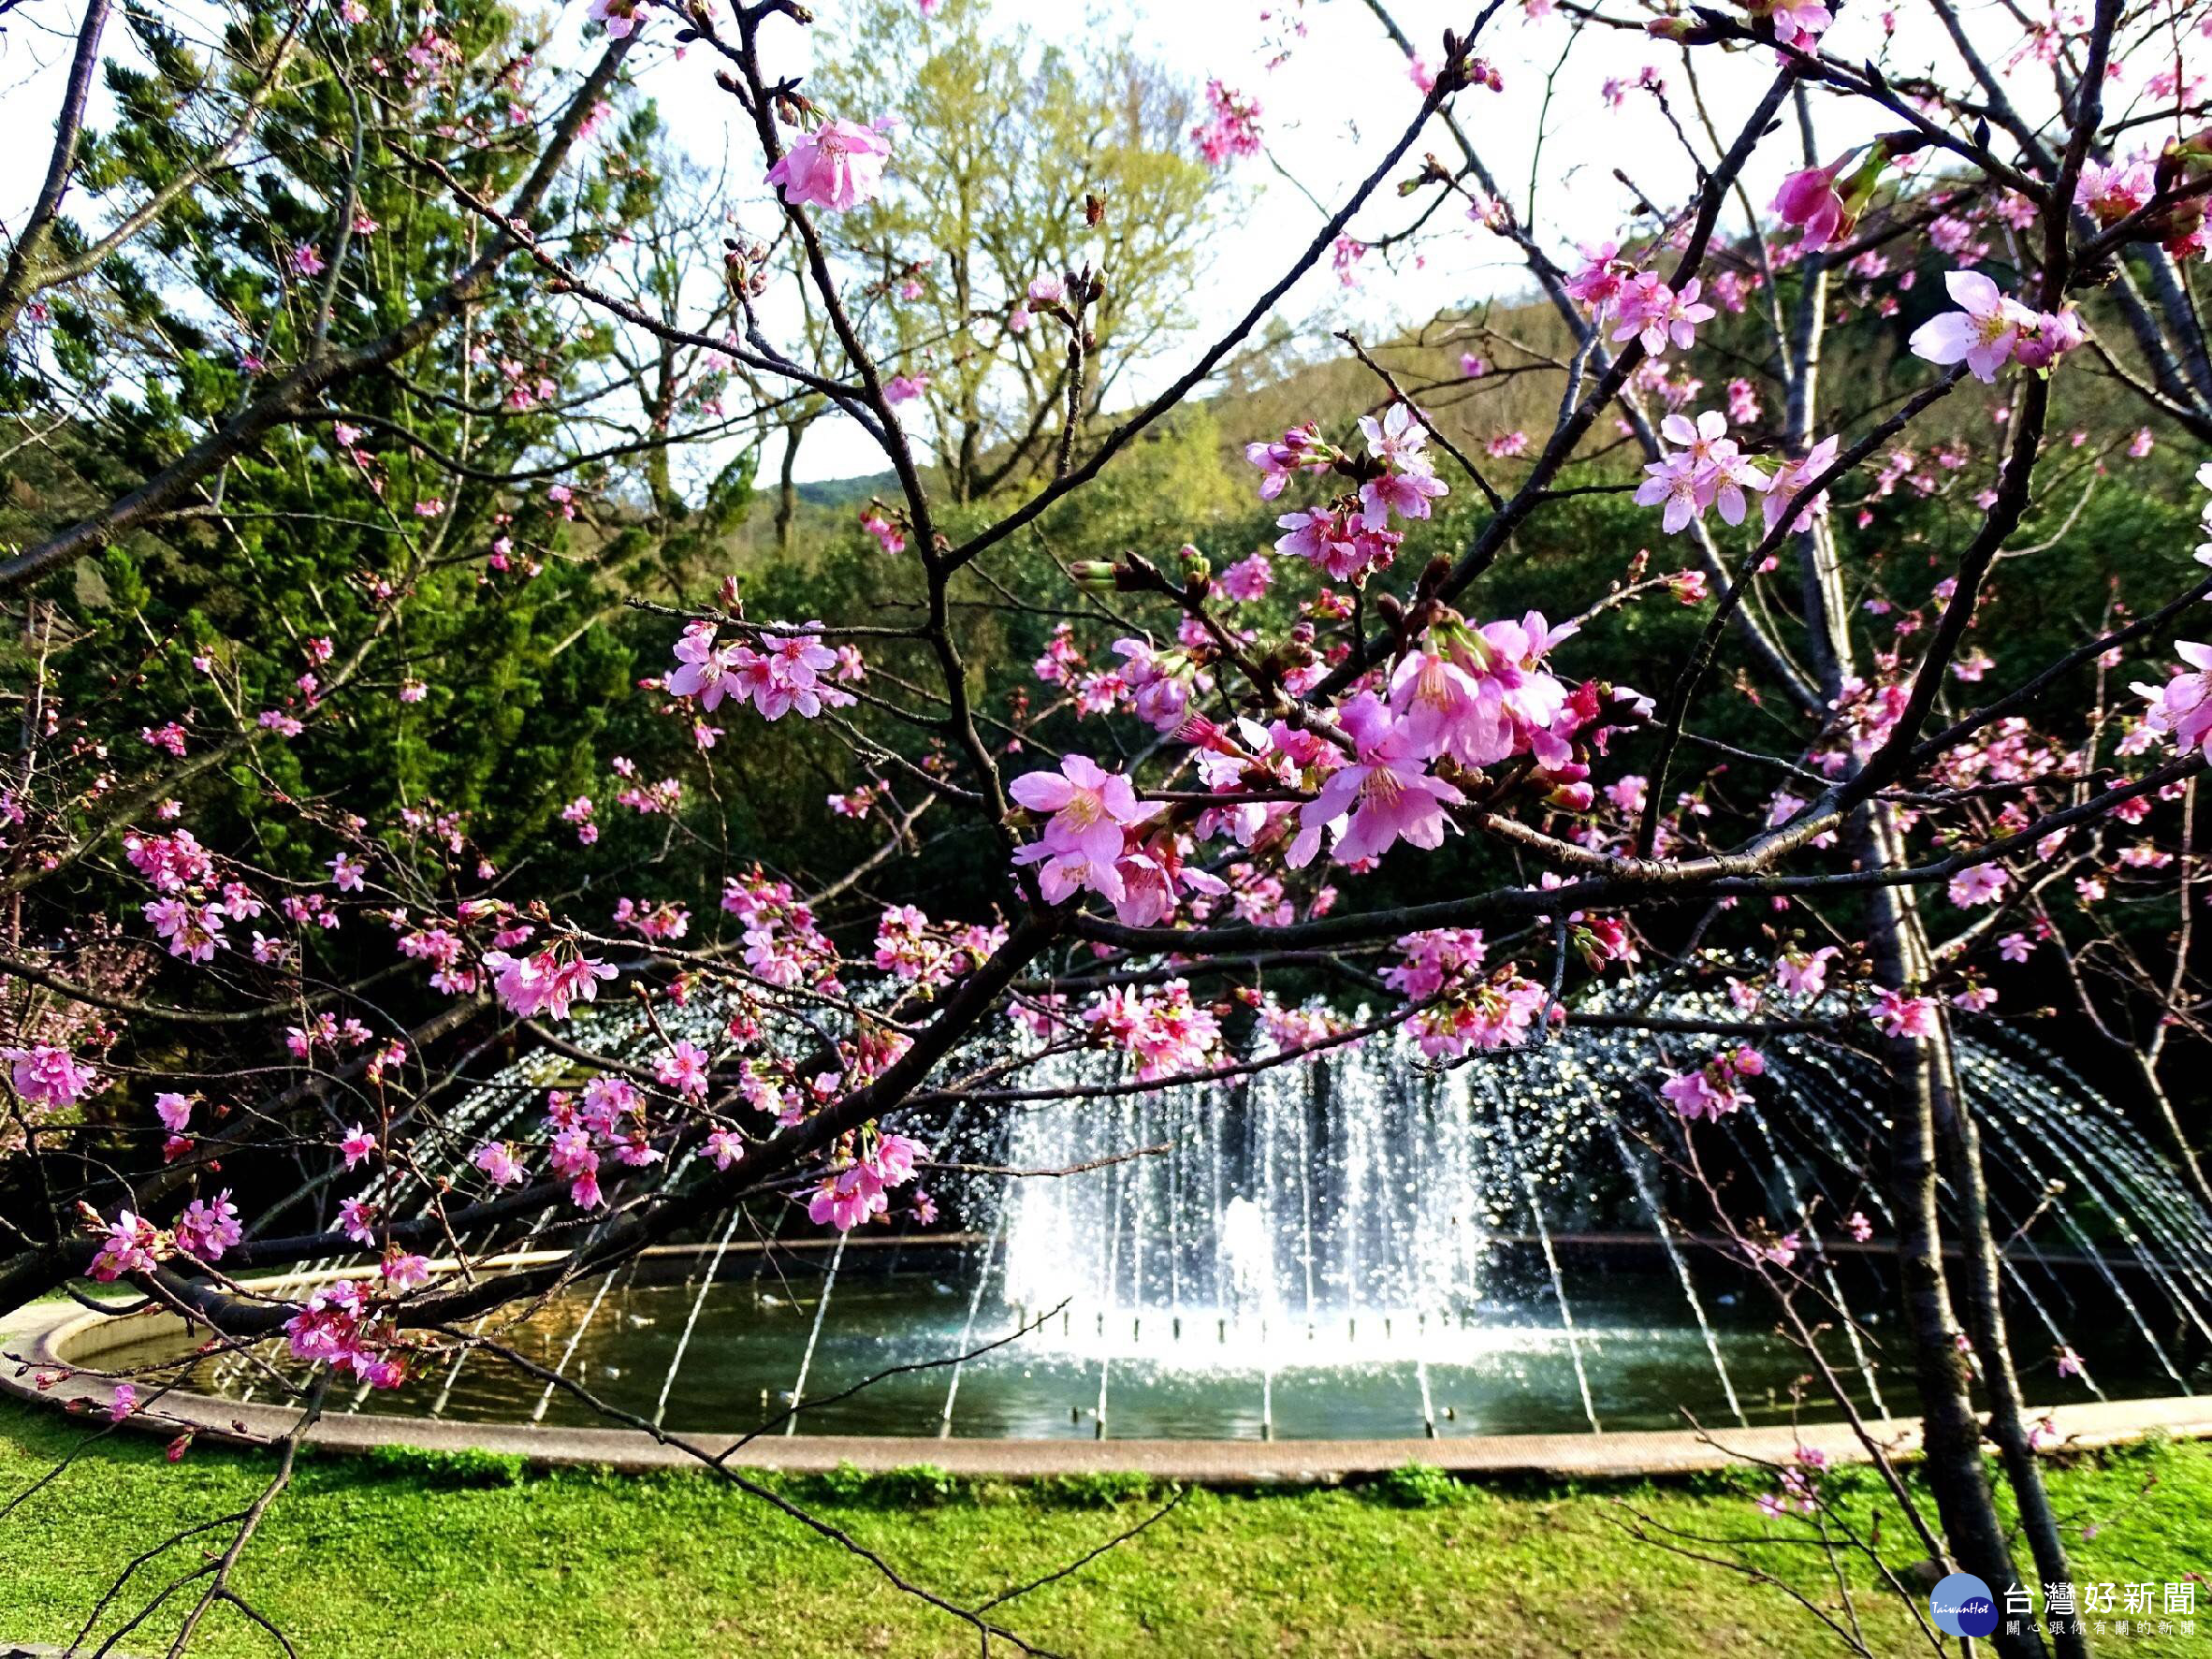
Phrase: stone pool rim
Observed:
(44, 1339)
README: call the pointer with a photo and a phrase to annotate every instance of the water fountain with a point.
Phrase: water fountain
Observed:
(1368, 1244)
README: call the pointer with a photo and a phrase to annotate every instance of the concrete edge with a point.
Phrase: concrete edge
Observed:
(42, 1363)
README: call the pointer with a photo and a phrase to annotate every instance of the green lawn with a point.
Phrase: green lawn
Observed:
(411, 1555)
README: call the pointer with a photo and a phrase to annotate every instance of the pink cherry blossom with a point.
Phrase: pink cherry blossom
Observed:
(1902, 1015)
(1433, 960)
(1299, 450)
(1167, 1032)
(1805, 973)
(1794, 474)
(209, 1227)
(131, 1246)
(1409, 482)
(683, 1069)
(1659, 316)
(45, 1075)
(1809, 199)
(499, 1164)
(2112, 190)
(1982, 333)
(1498, 1013)
(705, 668)
(2182, 708)
(1156, 878)
(1385, 796)
(1246, 580)
(619, 16)
(1446, 710)
(547, 983)
(837, 166)
(1797, 23)
(1978, 884)
(1089, 806)
(1232, 130)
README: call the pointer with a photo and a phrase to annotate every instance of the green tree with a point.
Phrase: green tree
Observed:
(1001, 147)
(460, 520)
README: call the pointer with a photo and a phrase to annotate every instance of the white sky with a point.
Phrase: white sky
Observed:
(1331, 109)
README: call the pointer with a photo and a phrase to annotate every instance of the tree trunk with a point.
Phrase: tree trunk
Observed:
(1951, 1437)
(787, 488)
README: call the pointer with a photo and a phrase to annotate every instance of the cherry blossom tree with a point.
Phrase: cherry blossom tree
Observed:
(1210, 783)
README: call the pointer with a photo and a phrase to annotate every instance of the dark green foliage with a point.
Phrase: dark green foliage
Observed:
(1413, 1486)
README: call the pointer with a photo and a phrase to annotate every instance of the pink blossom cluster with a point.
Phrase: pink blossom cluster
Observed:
(1433, 960)
(1706, 470)
(46, 1074)
(190, 914)
(791, 672)
(1294, 1030)
(172, 863)
(609, 1117)
(856, 1192)
(548, 982)
(1978, 884)
(2182, 708)
(1470, 696)
(339, 1327)
(443, 949)
(1988, 329)
(912, 948)
(1714, 1089)
(208, 1226)
(1348, 538)
(1640, 304)
(878, 523)
(1798, 24)
(1162, 682)
(133, 1245)
(665, 922)
(191, 931)
(2110, 191)
(1804, 973)
(1338, 541)
(1090, 811)
(1467, 697)
(686, 1067)
(1166, 1032)
(1499, 1012)
(1231, 130)
(1902, 1015)
(1797, 1488)
(783, 946)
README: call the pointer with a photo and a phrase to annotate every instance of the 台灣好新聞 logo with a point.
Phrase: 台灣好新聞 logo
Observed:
(1961, 1604)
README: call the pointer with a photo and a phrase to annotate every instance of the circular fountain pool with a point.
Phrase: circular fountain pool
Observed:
(1198, 1373)
(1359, 1245)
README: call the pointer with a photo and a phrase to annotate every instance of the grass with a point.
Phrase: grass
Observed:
(414, 1552)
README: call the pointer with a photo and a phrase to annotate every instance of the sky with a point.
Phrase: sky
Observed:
(1334, 95)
